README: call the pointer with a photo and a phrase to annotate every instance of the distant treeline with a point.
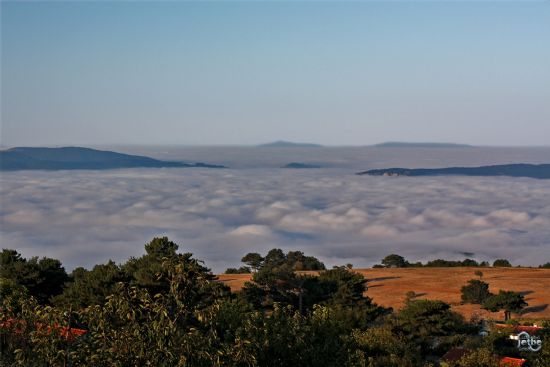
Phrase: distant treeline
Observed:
(297, 261)
(398, 261)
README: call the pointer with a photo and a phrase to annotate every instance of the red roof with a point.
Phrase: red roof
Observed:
(520, 328)
(512, 362)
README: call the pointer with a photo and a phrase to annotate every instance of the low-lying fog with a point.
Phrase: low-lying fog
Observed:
(88, 217)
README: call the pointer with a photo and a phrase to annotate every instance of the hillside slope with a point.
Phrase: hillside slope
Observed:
(512, 170)
(388, 287)
(66, 158)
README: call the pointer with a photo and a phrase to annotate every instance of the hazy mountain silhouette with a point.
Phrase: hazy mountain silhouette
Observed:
(298, 165)
(289, 144)
(513, 170)
(26, 158)
(398, 144)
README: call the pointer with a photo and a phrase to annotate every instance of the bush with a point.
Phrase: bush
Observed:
(241, 270)
(502, 263)
(394, 261)
(475, 292)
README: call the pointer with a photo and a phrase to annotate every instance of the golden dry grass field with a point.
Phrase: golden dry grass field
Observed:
(388, 287)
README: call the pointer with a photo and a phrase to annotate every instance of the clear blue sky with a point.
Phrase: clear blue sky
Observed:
(244, 73)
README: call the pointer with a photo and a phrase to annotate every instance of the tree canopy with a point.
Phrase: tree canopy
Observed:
(507, 301)
(476, 292)
(166, 308)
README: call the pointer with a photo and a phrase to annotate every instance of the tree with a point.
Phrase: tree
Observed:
(482, 357)
(479, 273)
(469, 262)
(161, 247)
(144, 271)
(509, 301)
(503, 263)
(475, 292)
(394, 261)
(241, 270)
(429, 324)
(275, 257)
(380, 346)
(91, 287)
(298, 261)
(253, 260)
(44, 278)
(344, 286)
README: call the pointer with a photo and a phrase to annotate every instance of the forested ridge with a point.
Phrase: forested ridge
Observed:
(166, 308)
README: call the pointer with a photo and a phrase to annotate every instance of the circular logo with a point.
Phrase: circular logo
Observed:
(528, 342)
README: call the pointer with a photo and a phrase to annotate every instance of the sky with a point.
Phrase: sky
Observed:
(335, 73)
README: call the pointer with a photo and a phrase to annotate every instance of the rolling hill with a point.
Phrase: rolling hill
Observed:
(512, 170)
(388, 287)
(67, 158)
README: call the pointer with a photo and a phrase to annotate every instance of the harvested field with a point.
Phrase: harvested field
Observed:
(388, 287)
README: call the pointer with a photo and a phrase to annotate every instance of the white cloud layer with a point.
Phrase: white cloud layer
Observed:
(87, 217)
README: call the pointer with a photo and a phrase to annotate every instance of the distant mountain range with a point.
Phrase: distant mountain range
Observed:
(397, 144)
(513, 170)
(289, 144)
(298, 165)
(24, 158)
(389, 144)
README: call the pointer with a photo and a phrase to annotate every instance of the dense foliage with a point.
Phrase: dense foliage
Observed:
(167, 309)
(398, 261)
(508, 301)
(476, 291)
(293, 260)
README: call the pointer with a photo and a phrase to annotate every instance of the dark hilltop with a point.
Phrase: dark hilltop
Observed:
(513, 170)
(67, 158)
(299, 165)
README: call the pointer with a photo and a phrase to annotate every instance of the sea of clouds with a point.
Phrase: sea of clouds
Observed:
(88, 217)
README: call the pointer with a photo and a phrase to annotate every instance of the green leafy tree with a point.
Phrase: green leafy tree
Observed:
(241, 270)
(469, 262)
(482, 357)
(253, 260)
(379, 346)
(275, 257)
(502, 263)
(270, 285)
(507, 301)
(430, 324)
(298, 261)
(475, 292)
(146, 271)
(91, 287)
(344, 286)
(394, 261)
(44, 278)
(542, 357)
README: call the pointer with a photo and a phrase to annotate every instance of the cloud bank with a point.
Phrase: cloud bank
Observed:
(86, 217)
